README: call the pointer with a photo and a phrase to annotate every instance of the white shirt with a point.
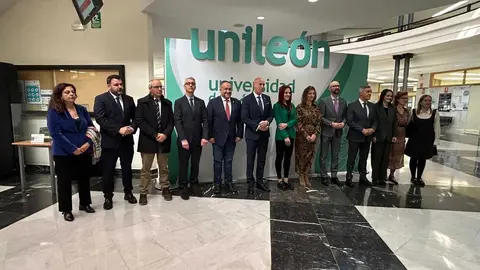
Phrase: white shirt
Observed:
(224, 101)
(365, 104)
(193, 100)
(256, 99)
(120, 97)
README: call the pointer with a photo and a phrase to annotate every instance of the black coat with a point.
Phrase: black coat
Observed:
(110, 119)
(191, 125)
(386, 124)
(357, 120)
(146, 118)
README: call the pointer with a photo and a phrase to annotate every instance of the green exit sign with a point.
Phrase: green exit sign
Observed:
(97, 21)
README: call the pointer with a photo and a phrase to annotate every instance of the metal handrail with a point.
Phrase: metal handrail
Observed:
(402, 28)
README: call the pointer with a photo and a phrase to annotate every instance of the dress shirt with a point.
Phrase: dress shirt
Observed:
(121, 100)
(256, 99)
(224, 101)
(365, 103)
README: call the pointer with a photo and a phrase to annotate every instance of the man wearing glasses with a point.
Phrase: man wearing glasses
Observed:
(191, 123)
(154, 117)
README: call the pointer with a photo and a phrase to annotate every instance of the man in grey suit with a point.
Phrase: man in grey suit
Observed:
(334, 111)
(362, 122)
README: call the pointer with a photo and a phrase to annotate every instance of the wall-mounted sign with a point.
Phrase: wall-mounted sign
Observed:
(96, 21)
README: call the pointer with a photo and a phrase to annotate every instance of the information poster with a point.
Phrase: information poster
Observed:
(32, 92)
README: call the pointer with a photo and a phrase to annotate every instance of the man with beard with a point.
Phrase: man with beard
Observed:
(334, 111)
(226, 130)
(115, 113)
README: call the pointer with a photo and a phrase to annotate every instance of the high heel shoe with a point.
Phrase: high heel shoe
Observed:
(68, 216)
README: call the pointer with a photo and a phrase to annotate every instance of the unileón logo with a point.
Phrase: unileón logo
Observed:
(275, 52)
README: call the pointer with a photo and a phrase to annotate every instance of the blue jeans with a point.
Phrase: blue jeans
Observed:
(223, 156)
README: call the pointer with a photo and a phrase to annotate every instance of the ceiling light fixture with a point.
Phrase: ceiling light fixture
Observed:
(450, 8)
(374, 81)
(260, 18)
(381, 78)
(238, 25)
(312, 1)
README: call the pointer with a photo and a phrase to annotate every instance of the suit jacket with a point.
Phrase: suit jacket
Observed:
(386, 124)
(191, 125)
(67, 137)
(109, 116)
(327, 109)
(357, 120)
(219, 127)
(252, 116)
(146, 118)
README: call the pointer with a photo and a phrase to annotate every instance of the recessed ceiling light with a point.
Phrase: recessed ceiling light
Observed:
(239, 25)
(312, 1)
(224, 31)
(260, 18)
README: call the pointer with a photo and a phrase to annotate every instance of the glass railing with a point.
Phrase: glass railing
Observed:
(406, 27)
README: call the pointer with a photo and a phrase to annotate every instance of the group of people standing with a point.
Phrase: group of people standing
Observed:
(224, 122)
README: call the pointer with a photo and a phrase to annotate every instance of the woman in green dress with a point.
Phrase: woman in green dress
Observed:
(285, 118)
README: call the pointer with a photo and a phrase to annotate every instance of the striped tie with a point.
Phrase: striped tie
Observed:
(157, 110)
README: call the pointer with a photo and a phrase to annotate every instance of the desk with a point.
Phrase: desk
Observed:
(21, 159)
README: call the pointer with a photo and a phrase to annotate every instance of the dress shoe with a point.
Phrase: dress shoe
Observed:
(68, 216)
(86, 208)
(261, 185)
(130, 198)
(143, 199)
(392, 179)
(325, 181)
(167, 195)
(250, 189)
(197, 191)
(108, 204)
(282, 185)
(419, 182)
(185, 193)
(230, 188)
(217, 189)
(289, 185)
(364, 181)
(336, 181)
(349, 183)
(382, 183)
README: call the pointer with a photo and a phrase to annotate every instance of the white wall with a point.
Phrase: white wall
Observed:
(37, 32)
(473, 119)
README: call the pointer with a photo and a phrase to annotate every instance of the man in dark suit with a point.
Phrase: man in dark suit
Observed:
(362, 123)
(155, 119)
(257, 114)
(226, 130)
(334, 111)
(191, 123)
(115, 113)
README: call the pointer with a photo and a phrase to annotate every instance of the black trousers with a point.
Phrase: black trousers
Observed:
(256, 148)
(284, 153)
(109, 160)
(191, 155)
(380, 157)
(69, 169)
(361, 148)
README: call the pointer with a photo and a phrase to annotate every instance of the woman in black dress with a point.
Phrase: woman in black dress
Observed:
(423, 132)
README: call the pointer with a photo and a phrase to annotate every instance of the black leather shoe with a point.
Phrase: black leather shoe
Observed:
(108, 204)
(217, 189)
(364, 181)
(393, 180)
(68, 216)
(167, 195)
(325, 181)
(336, 181)
(262, 186)
(289, 185)
(230, 188)
(250, 189)
(282, 185)
(86, 208)
(197, 191)
(420, 182)
(143, 199)
(185, 193)
(349, 183)
(130, 198)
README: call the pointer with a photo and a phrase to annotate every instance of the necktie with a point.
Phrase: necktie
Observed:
(335, 105)
(191, 104)
(260, 104)
(227, 109)
(157, 110)
(365, 108)
(119, 104)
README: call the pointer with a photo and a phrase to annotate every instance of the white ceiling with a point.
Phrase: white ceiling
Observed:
(453, 55)
(6, 4)
(287, 18)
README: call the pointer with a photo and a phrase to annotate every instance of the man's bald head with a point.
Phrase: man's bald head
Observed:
(258, 85)
(334, 88)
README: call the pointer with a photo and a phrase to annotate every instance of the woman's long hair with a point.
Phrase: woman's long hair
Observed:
(56, 102)
(419, 104)
(305, 95)
(281, 97)
(382, 96)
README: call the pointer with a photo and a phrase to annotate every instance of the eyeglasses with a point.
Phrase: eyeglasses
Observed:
(157, 87)
(190, 83)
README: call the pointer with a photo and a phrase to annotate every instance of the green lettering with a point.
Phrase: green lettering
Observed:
(259, 58)
(276, 45)
(247, 86)
(209, 54)
(222, 36)
(301, 41)
(247, 37)
(326, 53)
